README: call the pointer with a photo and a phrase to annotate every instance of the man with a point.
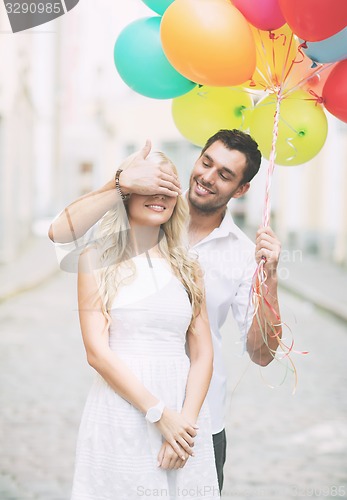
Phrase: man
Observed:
(224, 169)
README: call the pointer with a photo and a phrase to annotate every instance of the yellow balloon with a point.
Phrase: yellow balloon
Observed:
(276, 51)
(204, 110)
(302, 129)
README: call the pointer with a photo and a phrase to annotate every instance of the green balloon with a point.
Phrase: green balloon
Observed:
(159, 6)
(302, 128)
(142, 64)
(203, 111)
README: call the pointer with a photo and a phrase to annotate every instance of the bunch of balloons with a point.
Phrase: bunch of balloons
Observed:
(215, 58)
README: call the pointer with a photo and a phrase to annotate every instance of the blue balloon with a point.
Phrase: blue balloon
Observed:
(159, 6)
(142, 64)
(331, 49)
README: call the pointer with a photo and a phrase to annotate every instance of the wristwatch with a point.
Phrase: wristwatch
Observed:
(155, 412)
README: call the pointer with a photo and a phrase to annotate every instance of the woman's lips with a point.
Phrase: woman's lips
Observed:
(155, 207)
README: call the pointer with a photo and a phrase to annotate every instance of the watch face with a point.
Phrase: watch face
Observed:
(154, 414)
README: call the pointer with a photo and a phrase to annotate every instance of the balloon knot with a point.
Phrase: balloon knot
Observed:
(317, 98)
(314, 64)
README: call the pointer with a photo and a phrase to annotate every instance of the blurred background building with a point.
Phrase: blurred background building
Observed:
(67, 120)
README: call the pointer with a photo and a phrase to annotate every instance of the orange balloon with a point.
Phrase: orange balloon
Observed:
(276, 51)
(208, 42)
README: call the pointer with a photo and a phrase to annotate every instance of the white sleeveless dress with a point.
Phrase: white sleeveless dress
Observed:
(117, 448)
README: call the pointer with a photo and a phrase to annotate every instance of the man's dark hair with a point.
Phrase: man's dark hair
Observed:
(235, 139)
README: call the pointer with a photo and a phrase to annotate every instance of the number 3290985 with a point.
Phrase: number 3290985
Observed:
(34, 8)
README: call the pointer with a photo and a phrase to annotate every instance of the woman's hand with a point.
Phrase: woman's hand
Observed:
(177, 431)
(143, 176)
(168, 458)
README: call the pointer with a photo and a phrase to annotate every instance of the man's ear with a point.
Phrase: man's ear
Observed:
(242, 190)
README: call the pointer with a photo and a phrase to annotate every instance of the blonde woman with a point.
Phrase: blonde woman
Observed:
(145, 430)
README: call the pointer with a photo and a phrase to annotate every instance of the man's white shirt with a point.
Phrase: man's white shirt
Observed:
(226, 256)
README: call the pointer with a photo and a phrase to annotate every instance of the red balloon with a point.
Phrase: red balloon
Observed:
(263, 14)
(315, 20)
(335, 91)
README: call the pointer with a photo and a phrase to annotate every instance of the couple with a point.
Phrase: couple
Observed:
(147, 310)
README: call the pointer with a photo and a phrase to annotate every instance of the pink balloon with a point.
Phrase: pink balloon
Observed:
(263, 14)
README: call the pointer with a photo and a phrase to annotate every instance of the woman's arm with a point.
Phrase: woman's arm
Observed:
(139, 175)
(201, 366)
(75, 220)
(94, 326)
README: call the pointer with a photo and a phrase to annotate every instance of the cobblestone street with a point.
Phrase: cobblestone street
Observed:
(280, 445)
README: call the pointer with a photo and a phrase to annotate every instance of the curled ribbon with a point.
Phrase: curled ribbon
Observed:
(272, 36)
(300, 47)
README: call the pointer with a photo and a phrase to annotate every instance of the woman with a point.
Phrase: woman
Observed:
(145, 430)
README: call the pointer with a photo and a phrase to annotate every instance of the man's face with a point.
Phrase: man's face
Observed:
(217, 177)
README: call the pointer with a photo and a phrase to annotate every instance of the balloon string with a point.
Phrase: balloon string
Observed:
(267, 318)
(269, 329)
(289, 125)
(259, 289)
(300, 47)
(263, 56)
(291, 145)
(289, 139)
(286, 72)
(307, 78)
(272, 38)
(271, 167)
(294, 61)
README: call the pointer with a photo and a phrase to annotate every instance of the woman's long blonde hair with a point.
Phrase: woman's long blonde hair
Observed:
(115, 250)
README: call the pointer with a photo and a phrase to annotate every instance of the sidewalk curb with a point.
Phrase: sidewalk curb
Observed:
(323, 302)
(26, 287)
(33, 266)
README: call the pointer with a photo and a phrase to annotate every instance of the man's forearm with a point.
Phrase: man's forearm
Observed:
(265, 323)
(75, 220)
